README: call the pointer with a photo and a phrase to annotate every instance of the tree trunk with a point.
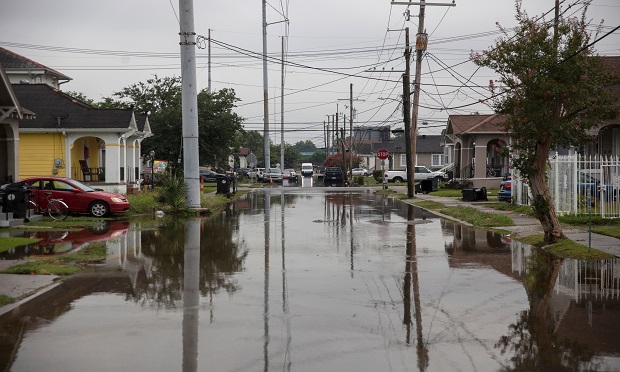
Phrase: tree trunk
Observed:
(543, 205)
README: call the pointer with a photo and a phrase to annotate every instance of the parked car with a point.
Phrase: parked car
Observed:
(292, 175)
(505, 191)
(208, 175)
(590, 181)
(334, 177)
(256, 174)
(421, 173)
(359, 172)
(272, 175)
(78, 197)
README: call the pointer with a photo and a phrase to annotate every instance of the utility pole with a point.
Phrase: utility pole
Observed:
(409, 141)
(420, 46)
(266, 148)
(189, 102)
(350, 130)
(282, 113)
(209, 64)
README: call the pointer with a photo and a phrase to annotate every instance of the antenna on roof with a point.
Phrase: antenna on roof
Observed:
(59, 115)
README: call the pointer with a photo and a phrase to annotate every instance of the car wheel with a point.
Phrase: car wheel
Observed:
(398, 180)
(439, 179)
(98, 209)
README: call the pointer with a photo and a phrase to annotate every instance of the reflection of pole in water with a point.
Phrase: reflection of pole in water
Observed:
(266, 283)
(287, 353)
(412, 282)
(191, 295)
(351, 235)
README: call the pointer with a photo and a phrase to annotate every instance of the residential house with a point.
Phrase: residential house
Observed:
(10, 115)
(476, 143)
(429, 152)
(68, 137)
(67, 131)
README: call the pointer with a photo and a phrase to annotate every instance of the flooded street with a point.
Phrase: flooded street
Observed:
(319, 279)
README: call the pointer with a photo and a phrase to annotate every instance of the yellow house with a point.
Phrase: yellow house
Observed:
(69, 138)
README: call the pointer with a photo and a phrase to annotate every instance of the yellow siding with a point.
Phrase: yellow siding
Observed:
(37, 152)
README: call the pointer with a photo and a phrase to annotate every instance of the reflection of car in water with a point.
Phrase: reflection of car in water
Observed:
(64, 242)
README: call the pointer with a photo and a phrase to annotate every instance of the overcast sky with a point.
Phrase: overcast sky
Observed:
(108, 45)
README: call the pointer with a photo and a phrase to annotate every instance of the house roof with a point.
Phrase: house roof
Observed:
(13, 61)
(244, 151)
(50, 104)
(460, 124)
(430, 144)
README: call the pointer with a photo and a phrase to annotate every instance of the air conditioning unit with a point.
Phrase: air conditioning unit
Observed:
(58, 162)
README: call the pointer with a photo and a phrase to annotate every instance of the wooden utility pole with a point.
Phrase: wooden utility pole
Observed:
(409, 141)
(282, 113)
(209, 65)
(350, 130)
(266, 149)
(420, 46)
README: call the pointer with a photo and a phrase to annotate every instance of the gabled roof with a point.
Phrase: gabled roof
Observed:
(50, 104)
(430, 144)
(13, 61)
(461, 124)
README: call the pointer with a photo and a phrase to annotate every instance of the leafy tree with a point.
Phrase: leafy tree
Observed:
(254, 141)
(552, 89)
(292, 156)
(218, 125)
(318, 157)
(305, 146)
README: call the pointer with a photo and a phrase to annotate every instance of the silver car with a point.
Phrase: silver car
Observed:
(272, 175)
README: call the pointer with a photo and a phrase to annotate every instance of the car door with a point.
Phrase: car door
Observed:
(70, 195)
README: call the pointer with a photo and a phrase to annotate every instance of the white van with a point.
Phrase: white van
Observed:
(306, 169)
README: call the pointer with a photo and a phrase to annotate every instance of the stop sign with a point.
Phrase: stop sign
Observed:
(383, 154)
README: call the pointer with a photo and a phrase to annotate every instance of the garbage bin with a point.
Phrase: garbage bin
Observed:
(15, 199)
(481, 193)
(426, 186)
(223, 184)
(469, 194)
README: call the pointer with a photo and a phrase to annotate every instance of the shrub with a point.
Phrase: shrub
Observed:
(172, 193)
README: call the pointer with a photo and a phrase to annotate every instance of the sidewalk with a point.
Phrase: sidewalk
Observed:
(526, 225)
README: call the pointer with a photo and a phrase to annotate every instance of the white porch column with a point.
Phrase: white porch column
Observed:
(113, 161)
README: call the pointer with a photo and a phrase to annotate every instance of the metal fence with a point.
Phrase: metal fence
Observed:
(579, 186)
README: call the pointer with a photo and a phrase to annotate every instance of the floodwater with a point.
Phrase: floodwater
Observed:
(319, 279)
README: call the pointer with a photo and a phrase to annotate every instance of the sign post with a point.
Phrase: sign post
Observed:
(383, 154)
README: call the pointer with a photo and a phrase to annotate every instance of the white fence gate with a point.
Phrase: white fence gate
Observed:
(579, 186)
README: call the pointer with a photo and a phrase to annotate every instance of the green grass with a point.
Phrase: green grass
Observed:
(565, 248)
(43, 267)
(5, 300)
(608, 230)
(8, 243)
(447, 193)
(63, 264)
(510, 207)
(476, 217)
(429, 204)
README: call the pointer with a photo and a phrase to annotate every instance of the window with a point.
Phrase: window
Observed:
(438, 160)
(403, 160)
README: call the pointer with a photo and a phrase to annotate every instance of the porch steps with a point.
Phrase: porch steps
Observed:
(7, 220)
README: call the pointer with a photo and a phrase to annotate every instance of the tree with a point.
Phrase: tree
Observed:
(254, 141)
(553, 89)
(305, 146)
(218, 125)
(292, 156)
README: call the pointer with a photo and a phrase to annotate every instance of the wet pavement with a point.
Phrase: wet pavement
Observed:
(320, 279)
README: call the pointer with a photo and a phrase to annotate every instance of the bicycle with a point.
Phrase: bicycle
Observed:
(56, 209)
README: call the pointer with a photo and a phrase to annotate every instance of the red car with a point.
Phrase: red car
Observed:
(78, 197)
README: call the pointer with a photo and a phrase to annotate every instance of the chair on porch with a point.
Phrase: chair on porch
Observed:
(91, 173)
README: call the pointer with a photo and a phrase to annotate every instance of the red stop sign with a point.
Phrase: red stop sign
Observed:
(383, 154)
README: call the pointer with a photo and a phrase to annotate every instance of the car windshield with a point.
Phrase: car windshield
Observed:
(81, 186)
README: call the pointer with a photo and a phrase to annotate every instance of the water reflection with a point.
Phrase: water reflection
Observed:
(571, 322)
(366, 283)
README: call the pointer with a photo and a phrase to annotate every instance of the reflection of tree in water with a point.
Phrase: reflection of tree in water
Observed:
(532, 340)
(218, 255)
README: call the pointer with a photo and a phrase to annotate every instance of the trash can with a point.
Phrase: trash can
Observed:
(426, 186)
(223, 184)
(15, 199)
(481, 193)
(469, 194)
